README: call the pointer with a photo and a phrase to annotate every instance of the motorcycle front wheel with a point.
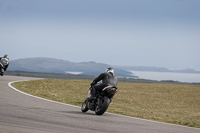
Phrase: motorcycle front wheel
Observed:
(84, 107)
(1, 74)
(101, 109)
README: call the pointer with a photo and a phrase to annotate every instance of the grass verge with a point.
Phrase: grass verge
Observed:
(170, 103)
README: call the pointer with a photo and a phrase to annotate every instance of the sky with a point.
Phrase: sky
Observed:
(160, 33)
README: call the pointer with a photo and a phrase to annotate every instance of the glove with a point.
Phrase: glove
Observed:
(93, 83)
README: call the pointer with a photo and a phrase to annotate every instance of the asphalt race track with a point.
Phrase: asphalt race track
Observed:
(20, 113)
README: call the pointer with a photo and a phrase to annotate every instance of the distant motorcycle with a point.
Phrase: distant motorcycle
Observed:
(102, 102)
(1, 69)
(3, 63)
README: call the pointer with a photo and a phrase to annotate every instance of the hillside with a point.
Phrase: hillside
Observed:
(62, 66)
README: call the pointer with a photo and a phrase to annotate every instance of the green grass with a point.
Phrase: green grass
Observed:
(170, 103)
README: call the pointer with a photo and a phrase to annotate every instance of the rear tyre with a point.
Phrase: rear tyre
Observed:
(101, 109)
(84, 107)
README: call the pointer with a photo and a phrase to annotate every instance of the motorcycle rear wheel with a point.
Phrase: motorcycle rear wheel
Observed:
(101, 109)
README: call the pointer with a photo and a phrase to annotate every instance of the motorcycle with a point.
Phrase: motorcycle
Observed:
(102, 102)
(1, 69)
(3, 63)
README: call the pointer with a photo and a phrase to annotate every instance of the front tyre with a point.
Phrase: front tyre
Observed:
(84, 107)
(2, 74)
(101, 109)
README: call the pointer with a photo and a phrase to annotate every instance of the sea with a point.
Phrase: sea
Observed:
(181, 77)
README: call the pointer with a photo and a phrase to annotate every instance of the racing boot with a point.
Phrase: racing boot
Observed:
(93, 95)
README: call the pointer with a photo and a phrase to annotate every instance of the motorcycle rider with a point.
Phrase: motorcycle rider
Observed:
(108, 79)
(4, 63)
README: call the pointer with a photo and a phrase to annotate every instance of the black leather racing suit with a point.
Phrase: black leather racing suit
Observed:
(107, 79)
